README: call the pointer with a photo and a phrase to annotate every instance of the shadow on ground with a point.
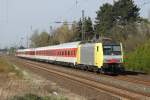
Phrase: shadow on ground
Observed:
(133, 73)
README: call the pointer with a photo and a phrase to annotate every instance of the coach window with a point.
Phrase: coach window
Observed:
(74, 52)
(58, 53)
(68, 52)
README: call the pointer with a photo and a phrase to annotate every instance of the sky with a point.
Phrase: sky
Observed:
(19, 18)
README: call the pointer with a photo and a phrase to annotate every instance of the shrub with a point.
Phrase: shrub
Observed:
(36, 97)
(139, 60)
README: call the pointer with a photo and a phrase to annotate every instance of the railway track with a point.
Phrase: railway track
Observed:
(120, 77)
(134, 80)
(128, 78)
(119, 92)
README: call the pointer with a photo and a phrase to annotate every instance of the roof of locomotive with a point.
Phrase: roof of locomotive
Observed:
(103, 40)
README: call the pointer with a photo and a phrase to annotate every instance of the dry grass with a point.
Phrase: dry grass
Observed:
(28, 87)
(18, 88)
(30, 90)
(8, 68)
(4, 66)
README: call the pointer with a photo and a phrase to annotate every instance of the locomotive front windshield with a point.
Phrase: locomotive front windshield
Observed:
(112, 50)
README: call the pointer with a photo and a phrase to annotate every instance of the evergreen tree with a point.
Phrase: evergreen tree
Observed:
(104, 20)
(121, 13)
(125, 11)
(79, 31)
(88, 29)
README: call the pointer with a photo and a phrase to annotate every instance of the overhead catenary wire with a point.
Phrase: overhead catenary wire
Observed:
(82, 5)
(69, 10)
(76, 5)
(145, 3)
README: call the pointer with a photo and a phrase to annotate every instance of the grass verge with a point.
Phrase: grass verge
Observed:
(7, 67)
(139, 60)
(35, 97)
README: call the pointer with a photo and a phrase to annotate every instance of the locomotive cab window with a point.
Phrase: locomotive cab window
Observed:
(112, 50)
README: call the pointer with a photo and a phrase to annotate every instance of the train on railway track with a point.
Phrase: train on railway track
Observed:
(103, 56)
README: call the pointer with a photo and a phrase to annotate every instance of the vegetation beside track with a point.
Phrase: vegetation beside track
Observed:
(35, 97)
(21, 84)
(8, 68)
(139, 60)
